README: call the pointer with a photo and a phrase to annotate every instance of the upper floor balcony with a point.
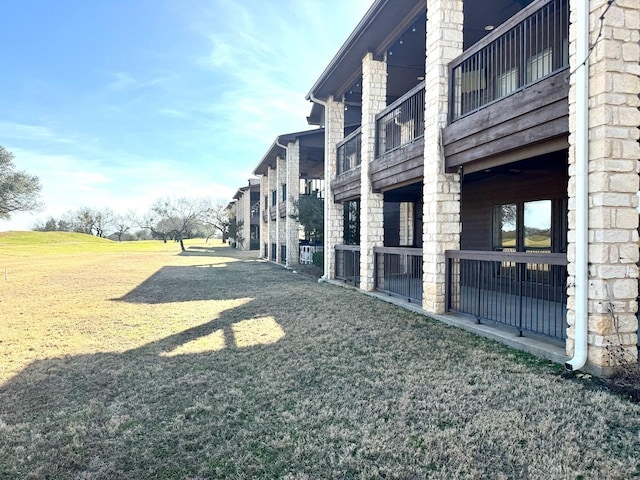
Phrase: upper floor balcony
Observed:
(510, 90)
(346, 185)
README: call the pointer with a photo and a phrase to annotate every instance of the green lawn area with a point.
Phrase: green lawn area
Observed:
(132, 361)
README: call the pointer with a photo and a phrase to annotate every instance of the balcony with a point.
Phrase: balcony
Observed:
(273, 212)
(524, 291)
(400, 141)
(348, 263)
(510, 89)
(265, 215)
(346, 185)
(282, 209)
(398, 271)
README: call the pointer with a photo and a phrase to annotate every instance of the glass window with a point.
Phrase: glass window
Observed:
(504, 227)
(537, 226)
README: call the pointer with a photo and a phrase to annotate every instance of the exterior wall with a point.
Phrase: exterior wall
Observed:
(281, 223)
(613, 182)
(246, 219)
(374, 100)
(272, 223)
(264, 207)
(333, 212)
(441, 215)
(293, 193)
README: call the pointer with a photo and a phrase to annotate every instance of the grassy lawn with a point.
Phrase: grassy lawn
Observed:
(136, 361)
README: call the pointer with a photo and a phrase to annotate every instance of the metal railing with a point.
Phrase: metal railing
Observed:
(274, 251)
(283, 254)
(398, 271)
(526, 291)
(402, 122)
(349, 152)
(532, 45)
(348, 263)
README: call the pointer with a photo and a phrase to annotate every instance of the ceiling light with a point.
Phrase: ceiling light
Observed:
(420, 78)
(488, 28)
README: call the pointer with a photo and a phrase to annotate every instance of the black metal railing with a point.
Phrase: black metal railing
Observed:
(532, 45)
(265, 250)
(349, 152)
(283, 254)
(526, 291)
(348, 263)
(402, 122)
(398, 271)
(274, 251)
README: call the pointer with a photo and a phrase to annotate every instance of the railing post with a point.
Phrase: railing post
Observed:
(520, 279)
(479, 280)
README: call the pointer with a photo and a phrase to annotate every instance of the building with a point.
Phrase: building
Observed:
(244, 212)
(293, 166)
(484, 162)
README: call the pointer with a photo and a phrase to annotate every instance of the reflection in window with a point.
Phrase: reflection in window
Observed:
(504, 224)
(537, 226)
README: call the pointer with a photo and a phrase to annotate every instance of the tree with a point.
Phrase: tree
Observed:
(309, 212)
(175, 218)
(122, 225)
(235, 231)
(19, 191)
(216, 219)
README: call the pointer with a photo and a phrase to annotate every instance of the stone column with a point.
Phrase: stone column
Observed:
(246, 219)
(441, 227)
(614, 119)
(273, 182)
(293, 193)
(281, 223)
(264, 206)
(333, 212)
(374, 100)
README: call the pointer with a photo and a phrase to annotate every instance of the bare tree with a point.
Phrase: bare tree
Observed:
(216, 218)
(19, 191)
(175, 218)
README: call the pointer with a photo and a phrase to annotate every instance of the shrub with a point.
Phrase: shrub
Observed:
(318, 259)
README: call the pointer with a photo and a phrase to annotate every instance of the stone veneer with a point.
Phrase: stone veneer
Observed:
(441, 228)
(374, 100)
(273, 181)
(293, 193)
(614, 152)
(264, 226)
(333, 212)
(281, 223)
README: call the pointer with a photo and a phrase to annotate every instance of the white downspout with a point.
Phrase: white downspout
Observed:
(582, 190)
(327, 179)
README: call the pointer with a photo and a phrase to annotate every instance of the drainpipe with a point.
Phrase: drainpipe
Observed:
(327, 179)
(582, 190)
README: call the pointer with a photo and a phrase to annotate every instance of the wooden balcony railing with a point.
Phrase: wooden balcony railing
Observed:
(282, 209)
(526, 291)
(531, 45)
(402, 122)
(349, 154)
(348, 263)
(398, 271)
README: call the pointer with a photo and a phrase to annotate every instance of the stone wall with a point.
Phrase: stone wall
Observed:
(441, 227)
(374, 100)
(293, 193)
(614, 85)
(333, 212)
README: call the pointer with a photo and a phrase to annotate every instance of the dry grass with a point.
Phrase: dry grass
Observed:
(126, 363)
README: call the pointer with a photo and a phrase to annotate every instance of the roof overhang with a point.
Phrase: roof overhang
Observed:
(311, 151)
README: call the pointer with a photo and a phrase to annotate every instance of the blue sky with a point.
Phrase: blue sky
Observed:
(114, 103)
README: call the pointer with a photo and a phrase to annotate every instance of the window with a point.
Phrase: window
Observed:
(352, 222)
(274, 198)
(284, 192)
(539, 65)
(527, 226)
(507, 82)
